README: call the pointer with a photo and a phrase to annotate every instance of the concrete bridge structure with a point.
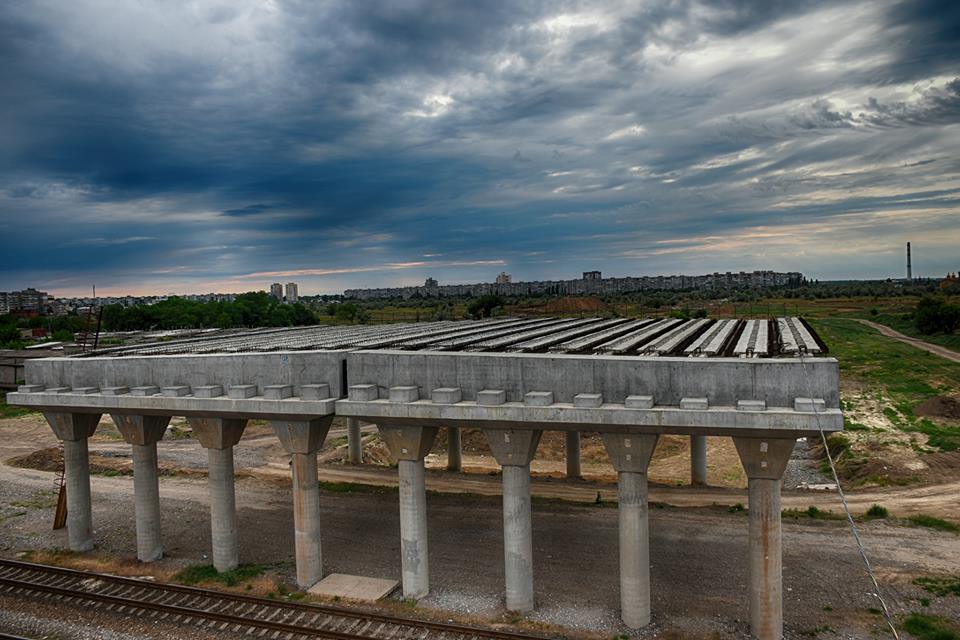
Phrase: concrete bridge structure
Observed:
(763, 383)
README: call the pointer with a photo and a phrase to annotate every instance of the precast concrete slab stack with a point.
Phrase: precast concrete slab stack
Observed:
(762, 382)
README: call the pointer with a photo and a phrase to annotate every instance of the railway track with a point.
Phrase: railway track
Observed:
(225, 612)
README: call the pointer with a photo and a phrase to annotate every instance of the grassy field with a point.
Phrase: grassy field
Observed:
(906, 327)
(883, 383)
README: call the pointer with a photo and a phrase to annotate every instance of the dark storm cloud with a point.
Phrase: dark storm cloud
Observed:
(249, 210)
(188, 145)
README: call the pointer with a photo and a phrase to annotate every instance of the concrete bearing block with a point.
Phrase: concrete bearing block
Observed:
(638, 402)
(694, 403)
(149, 390)
(314, 392)
(30, 388)
(809, 405)
(84, 391)
(446, 395)
(115, 391)
(751, 405)
(404, 394)
(278, 391)
(58, 390)
(208, 391)
(538, 398)
(364, 392)
(241, 391)
(588, 400)
(491, 397)
(176, 391)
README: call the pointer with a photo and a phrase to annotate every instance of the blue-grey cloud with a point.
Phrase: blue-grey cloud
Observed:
(158, 147)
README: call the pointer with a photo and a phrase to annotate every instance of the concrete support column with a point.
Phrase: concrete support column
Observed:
(306, 518)
(143, 433)
(223, 509)
(698, 460)
(517, 538)
(514, 449)
(764, 460)
(413, 529)
(573, 454)
(301, 439)
(146, 491)
(454, 449)
(76, 468)
(218, 436)
(354, 441)
(74, 429)
(409, 445)
(630, 455)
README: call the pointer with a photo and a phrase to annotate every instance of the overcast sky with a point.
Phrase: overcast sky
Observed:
(155, 147)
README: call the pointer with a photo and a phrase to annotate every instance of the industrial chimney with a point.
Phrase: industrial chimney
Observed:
(909, 264)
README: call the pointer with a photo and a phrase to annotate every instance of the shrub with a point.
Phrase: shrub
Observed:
(876, 511)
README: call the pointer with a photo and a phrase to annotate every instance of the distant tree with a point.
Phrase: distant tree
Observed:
(483, 306)
(9, 333)
(936, 315)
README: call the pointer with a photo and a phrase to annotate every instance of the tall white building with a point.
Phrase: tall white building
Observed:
(292, 296)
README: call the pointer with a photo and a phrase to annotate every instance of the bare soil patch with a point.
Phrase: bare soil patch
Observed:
(939, 407)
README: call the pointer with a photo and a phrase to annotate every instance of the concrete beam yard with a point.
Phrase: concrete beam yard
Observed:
(763, 382)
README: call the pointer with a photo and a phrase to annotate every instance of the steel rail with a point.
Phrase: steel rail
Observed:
(82, 592)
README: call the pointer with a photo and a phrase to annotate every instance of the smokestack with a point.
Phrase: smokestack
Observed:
(909, 264)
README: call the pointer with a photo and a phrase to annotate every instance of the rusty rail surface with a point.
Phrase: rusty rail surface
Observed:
(226, 612)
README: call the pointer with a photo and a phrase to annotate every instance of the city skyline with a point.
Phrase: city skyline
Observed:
(156, 148)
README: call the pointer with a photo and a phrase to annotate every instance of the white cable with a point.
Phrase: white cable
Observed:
(846, 507)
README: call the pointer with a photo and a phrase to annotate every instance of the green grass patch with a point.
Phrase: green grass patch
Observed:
(940, 586)
(922, 520)
(926, 627)
(39, 500)
(198, 573)
(11, 411)
(942, 437)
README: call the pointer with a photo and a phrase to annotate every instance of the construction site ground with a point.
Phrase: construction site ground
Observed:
(698, 535)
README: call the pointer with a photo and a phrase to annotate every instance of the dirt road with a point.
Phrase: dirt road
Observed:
(943, 352)
(698, 569)
(939, 500)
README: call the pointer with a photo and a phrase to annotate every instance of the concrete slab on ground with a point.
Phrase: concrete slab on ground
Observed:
(357, 588)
